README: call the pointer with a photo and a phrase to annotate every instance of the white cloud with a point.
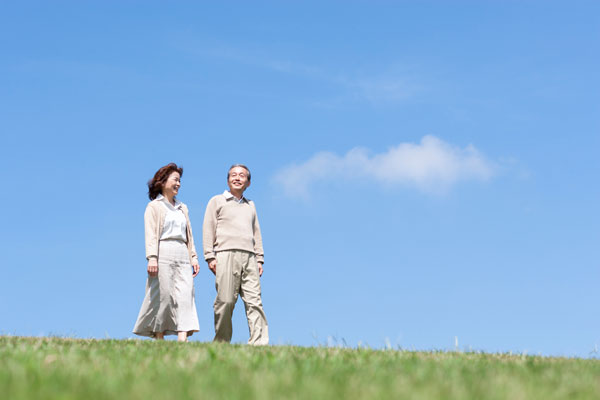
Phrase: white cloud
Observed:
(432, 166)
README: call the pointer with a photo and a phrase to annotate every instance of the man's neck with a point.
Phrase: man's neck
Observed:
(237, 194)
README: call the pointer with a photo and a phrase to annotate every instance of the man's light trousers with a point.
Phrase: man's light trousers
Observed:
(237, 273)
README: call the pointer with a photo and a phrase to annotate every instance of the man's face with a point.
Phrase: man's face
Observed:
(238, 179)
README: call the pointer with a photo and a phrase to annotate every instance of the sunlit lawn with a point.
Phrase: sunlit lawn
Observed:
(55, 368)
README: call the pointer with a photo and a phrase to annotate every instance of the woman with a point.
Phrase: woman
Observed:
(169, 307)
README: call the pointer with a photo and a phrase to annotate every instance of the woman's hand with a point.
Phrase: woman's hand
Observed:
(152, 267)
(196, 268)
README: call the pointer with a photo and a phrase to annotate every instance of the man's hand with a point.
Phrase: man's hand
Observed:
(260, 268)
(152, 267)
(212, 265)
(196, 268)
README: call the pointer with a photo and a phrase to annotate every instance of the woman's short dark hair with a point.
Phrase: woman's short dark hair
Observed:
(238, 165)
(156, 184)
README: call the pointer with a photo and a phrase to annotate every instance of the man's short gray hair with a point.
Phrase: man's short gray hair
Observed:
(238, 165)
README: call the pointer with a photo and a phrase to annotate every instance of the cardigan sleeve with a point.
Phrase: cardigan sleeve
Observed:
(190, 237)
(150, 227)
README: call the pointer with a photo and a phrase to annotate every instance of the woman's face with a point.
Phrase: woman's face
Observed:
(172, 185)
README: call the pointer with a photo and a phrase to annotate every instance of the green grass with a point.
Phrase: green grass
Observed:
(54, 368)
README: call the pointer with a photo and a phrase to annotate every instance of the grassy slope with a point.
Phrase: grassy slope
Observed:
(52, 368)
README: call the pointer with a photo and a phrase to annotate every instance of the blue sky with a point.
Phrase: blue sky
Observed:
(423, 171)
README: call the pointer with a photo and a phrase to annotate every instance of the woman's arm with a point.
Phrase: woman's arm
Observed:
(191, 245)
(150, 228)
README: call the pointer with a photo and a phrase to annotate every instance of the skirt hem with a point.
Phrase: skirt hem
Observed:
(168, 332)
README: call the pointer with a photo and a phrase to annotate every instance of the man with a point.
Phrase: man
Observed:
(234, 253)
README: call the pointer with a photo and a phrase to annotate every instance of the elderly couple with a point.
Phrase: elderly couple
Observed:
(232, 248)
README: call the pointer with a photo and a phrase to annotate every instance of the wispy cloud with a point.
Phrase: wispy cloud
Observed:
(390, 84)
(432, 166)
(385, 88)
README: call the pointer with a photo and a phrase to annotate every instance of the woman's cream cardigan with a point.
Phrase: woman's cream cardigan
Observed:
(154, 219)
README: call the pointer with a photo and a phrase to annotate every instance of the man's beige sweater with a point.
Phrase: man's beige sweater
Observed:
(231, 225)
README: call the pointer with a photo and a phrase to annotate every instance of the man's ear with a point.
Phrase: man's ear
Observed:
(249, 182)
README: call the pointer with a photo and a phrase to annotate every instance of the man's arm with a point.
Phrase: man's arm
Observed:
(209, 232)
(258, 246)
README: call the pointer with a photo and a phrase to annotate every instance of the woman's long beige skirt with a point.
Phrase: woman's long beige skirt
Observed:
(169, 305)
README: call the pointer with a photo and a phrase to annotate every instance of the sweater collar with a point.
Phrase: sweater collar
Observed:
(229, 196)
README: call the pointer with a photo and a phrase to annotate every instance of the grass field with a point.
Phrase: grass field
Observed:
(55, 368)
